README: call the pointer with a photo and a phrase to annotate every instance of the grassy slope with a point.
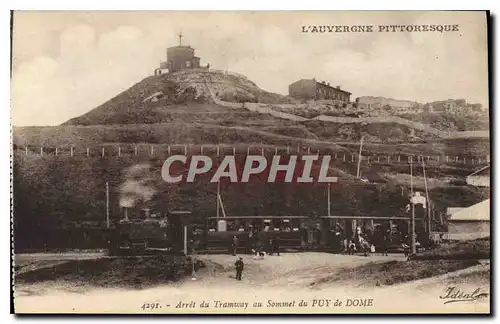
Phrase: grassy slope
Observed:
(137, 273)
(467, 250)
(395, 272)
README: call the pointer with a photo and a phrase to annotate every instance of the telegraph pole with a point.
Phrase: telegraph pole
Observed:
(329, 214)
(413, 238)
(428, 201)
(107, 204)
(218, 193)
(359, 156)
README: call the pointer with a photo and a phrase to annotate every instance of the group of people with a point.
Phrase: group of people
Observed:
(256, 246)
(351, 246)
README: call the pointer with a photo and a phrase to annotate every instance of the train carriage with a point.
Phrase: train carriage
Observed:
(288, 229)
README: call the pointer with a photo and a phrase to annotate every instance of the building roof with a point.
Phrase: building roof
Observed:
(453, 210)
(477, 212)
(322, 84)
(330, 87)
(479, 171)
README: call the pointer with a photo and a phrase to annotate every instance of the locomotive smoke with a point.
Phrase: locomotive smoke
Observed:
(137, 186)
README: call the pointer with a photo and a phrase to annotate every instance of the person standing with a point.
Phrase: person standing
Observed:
(235, 244)
(385, 244)
(239, 268)
(276, 245)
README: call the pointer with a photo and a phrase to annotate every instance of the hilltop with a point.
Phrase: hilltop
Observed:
(164, 97)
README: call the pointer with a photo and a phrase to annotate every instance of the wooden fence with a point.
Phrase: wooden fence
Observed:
(164, 150)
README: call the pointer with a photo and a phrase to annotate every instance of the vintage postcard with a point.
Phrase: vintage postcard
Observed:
(332, 162)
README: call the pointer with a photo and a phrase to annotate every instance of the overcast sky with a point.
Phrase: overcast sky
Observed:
(67, 63)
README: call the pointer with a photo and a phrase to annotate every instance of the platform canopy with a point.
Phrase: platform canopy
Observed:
(477, 212)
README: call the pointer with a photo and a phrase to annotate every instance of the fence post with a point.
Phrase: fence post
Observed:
(378, 159)
(26, 151)
(217, 149)
(399, 158)
(103, 151)
(41, 150)
(446, 158)
(309, 151)
(201, 150)
(152, 150)
(275, 151)
(57, 151)
(119, 150)
(234, 150)
(262, 151)
(344, 158)
(88, 151)
(248, 150)
(71, 151)
(288, 149)
(185, 149)
(135, 150)
(168, 149)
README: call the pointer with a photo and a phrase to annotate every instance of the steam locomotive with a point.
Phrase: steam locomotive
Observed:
(148, 233)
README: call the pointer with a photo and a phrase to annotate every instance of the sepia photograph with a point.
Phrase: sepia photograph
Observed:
(251, 162)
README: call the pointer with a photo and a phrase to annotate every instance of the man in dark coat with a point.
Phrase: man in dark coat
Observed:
(385, 243)
(276, 245)
(239, 268)
(235, 245)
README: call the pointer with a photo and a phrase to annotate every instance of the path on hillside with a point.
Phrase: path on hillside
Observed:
(268, 109)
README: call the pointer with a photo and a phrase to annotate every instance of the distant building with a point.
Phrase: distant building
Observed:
(479, 178)
(179, 58)
(311, 89)
(470, 223)
(393, 106)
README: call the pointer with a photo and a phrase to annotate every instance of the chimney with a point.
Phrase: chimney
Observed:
(328, 83)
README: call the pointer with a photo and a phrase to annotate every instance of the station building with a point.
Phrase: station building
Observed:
(310, 89)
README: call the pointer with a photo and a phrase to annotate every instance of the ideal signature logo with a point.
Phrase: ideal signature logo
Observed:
(455, 295)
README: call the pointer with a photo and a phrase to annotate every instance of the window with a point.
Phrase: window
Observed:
(231, 226)
(277, 225)
(287, 226)
(212, 225)
(241, 225)
(295, 225)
